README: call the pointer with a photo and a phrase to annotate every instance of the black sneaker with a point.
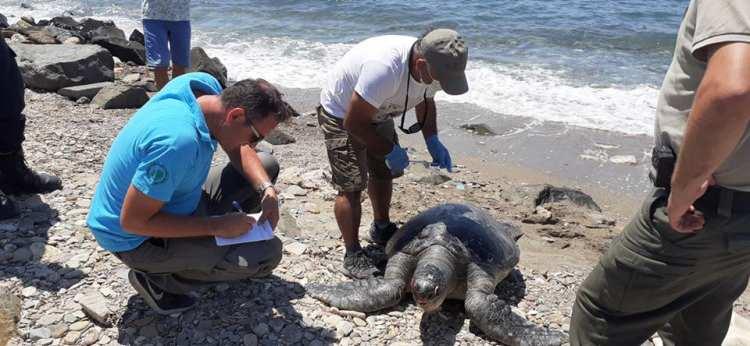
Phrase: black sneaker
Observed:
(358, 266)
(162, 302)
(381, 236)
(8, 208)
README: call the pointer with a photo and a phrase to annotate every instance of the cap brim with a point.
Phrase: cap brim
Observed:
(455, 84)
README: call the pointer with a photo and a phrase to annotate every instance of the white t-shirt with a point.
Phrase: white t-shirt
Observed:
(376, 69)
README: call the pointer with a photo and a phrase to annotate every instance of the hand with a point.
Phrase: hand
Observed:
(682, 214)
(232, 225)
(270, 206)
(397, 160)
(440, 155)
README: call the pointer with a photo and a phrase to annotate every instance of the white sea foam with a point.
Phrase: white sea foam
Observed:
(515, 90)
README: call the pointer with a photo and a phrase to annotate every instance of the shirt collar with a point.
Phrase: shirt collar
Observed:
(182, 88)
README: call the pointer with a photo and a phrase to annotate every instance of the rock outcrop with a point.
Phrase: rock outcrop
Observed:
(201, 62)
(51, 67)
(118, 96)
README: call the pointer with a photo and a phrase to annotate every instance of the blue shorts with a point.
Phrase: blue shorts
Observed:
(159, 33)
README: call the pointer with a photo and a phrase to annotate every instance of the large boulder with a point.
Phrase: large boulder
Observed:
(137, 36)
(51, 67)
(88, 90)
(119, 96)
(201, 62)
(113, 39)
(66, 22)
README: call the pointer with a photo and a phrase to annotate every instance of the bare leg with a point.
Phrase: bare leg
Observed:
(380, 192)
(348, 211)
(177, 70)
(496, 319)
(372, 294)
(160, 77)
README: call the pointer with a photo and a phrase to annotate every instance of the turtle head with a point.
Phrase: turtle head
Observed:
(433, 278)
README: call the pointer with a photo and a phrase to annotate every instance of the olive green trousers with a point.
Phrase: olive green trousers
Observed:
(654, 279)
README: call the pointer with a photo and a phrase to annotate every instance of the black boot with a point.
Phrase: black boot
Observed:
(8, 209)
(18, 178)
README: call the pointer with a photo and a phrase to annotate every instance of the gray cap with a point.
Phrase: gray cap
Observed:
(446, 52)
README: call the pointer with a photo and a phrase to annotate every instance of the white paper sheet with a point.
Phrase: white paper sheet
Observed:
(258, 232)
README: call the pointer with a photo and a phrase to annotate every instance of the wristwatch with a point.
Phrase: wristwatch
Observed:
(264, 186)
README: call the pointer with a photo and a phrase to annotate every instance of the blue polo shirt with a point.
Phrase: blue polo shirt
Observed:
(164, 151)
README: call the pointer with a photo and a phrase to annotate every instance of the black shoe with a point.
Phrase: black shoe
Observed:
(18, 178)
(358, 266)
(381, 236)
(8, 208)
(161, 301)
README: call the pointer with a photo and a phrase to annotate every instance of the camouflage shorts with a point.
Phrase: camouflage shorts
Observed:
(350, 162)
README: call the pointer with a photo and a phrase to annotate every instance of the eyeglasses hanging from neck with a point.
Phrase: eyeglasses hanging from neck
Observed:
(416, 127)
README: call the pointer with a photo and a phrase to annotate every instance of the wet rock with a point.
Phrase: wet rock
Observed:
(479, 129)
(551, 194)
(10, 310)
(200, 61)
(278, 137)
(137, 36)
(52, 67)
(120, 96)
(95, 306)
(87, 90)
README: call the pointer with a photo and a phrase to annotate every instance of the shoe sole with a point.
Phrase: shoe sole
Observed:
(149, 300)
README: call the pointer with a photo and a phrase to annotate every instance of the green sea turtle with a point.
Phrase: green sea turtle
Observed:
(455, 251)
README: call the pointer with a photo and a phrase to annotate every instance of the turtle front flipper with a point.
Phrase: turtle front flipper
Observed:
(372, 294)
(495, 317)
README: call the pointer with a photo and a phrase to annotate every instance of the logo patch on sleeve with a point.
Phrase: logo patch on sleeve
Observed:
(157, 173)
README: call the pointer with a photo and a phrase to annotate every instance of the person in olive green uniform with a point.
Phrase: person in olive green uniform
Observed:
(685, 258)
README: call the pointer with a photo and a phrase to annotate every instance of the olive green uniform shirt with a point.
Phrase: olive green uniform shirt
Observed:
(706, 22)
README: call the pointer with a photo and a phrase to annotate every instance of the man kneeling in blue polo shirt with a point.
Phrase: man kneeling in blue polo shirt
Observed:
(159, 203)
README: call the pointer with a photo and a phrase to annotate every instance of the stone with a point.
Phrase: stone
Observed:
(296, 190)
(479, 129)
(552, 194)
(344, 328)
(296, 248)
(72, 40)
(624, 159)
(65, 22)
(201, 62)
(250, 340)
(52, 67)
(3, 21)
(288, 224)
(18, 38)
(61, 34)
(10, 311)
(123, 49)
(22, 255)
(137, 36)
(260, 329)
(120, 96)
(39, 333)
(37, 249)
(79, 326)
(39, 35)
(95, 306)
(71, 338)
(48, 319)
(278, 137)
(58, 330)
(541, 216)
(28, 292)
(87, 90)
(90, 338)
(131, 78)
(83, 100)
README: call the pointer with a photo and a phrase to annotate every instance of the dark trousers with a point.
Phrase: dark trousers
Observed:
(177, 265)
(12, 121)
(655, 279)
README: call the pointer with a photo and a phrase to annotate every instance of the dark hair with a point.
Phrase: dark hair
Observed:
(258, 98)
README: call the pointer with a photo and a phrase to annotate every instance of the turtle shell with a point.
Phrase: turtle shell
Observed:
(489, 241)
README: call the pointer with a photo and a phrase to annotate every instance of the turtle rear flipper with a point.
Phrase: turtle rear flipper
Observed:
(368, 295)
(495, 317)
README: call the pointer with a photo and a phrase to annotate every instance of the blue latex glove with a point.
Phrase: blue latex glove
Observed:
(397, 160)
(440, 155)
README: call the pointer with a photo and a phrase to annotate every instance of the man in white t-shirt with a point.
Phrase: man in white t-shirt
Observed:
(377, 80)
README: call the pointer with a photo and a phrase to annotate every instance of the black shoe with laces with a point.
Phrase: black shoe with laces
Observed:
(18, 178)
(161, 301)
(380, 235)
(358, 266)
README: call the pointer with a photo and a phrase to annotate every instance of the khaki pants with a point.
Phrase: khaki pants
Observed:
(177, 265)
(655, 279)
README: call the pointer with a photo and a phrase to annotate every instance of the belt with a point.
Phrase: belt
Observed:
(724, 201)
